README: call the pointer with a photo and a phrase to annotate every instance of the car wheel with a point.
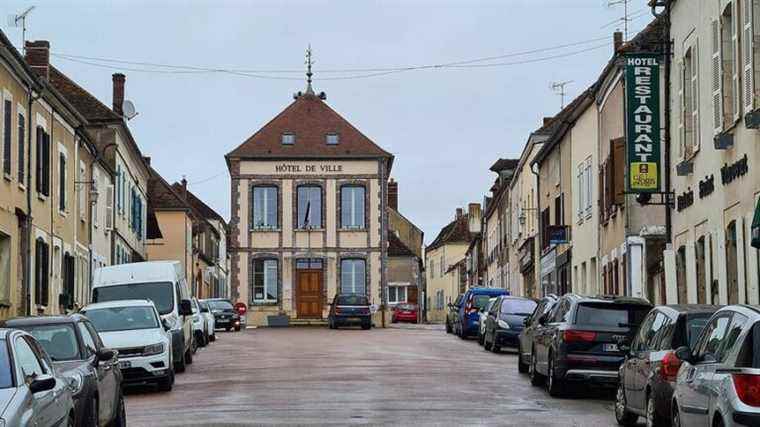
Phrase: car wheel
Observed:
(212, 337)
(461, 332)
(71, 420)
(676, 417)
(494, 347)
(120, 419)
(237, 328)
(167, 383)
(554, 385)
(653, 419)
(718, 422)
(448, 327)
(189, 357)
(92, 413)
(522, 367)
(486, 344)
(180, 366)
(228, 328)
(367, 325)
(535, 378)
(481, 339)
(622, 415)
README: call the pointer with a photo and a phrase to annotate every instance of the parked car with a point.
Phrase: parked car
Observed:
(719, 381)
(525, 339)
(466, 322)
(451, 313)
(578, 340)
(482, 315)
(162, 282)
(405, 312)
(32, 391)
(647, 376)
(134, 328)
(78, 353)
(225, 315)
(350, 309)
(504, 321)
(209, 319)
(200, 333)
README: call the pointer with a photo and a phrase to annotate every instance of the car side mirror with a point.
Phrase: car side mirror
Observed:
(685, 354)
(106, 354)
(185, 308)
(42, 383)
(166, 324)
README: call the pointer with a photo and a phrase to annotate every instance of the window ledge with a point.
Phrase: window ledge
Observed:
(42, 197)
(4, 303)
(263, 304)
(305, 230)
(22, 186)
(63, 213)
(353, 229)
(7, 177)
(265, 230)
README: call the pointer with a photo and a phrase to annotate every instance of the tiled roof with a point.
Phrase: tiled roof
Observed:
(457, 231)
(197, 204)
(310, 119)
(396, 247)
(504, 164)
(161, 195)
(87, 104)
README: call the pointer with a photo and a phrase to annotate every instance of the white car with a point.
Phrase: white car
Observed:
(210, 321)
(134, 329)
(482, 316)
(199, 326)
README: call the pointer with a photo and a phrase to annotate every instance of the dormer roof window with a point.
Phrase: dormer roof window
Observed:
(288, 138)
(332, 139)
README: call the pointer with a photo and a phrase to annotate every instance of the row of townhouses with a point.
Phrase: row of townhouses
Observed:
(568, 215)
(77, 193)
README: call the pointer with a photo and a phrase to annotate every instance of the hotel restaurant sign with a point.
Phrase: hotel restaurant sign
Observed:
(642, 77)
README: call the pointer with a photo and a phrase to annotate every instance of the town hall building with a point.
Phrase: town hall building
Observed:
(309, 206)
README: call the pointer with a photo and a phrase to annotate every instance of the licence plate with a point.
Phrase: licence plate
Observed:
(610, 347)
(125, 365)
(354, 319)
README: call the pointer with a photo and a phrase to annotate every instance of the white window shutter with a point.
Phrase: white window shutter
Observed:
(748, 56)
(109, 207)
(681, 111)
(695, 128)
(737, 90)
(717, 79)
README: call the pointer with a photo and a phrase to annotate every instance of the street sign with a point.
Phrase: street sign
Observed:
(642, 78)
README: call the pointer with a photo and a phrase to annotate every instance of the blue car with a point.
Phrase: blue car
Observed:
(472, 301)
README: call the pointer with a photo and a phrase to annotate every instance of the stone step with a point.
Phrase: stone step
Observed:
(307, 322)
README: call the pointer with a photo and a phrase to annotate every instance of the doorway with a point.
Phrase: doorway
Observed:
(309, 284)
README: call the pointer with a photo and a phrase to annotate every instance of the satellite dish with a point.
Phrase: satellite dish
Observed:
(128, 108)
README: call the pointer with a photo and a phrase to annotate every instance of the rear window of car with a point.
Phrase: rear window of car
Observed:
(522, 307)
(353, 300)
(694, 325)
(220, 305)
(749, 356)
(480, 301)
(406, 307)
(611, 315)
(6, 376)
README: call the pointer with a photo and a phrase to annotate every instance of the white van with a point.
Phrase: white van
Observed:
(162, 282)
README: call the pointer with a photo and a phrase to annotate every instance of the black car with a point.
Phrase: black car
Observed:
(77, 352)
(505, 321)
(648, 375)
(350, 309)
(225, 315)
(452, 314)
(525, 339)
(577, 341)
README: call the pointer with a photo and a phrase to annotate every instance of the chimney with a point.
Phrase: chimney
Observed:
(38, 57)
(184, 188)
(393, 194)
(118, 93)
(474, 217)
(617, 40)
(458, 214)
(147, 160)
(547, 120)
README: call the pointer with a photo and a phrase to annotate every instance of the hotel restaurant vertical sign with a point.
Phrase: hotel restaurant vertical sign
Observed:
(642, 77)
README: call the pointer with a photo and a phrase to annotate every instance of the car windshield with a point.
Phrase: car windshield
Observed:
(161, 294)
(611, 315)
(406, 307)
(694, 325)
(353, 300)
(480, 301)
(59, 341)
(522, 307)
(122, 318)
(6, 377)
(220, 305)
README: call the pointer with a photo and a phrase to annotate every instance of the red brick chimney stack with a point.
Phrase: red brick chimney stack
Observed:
(617, 40)
(393, 194)
(118, 93)
(38, 57)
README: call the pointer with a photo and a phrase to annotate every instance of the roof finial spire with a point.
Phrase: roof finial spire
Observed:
(309, 63)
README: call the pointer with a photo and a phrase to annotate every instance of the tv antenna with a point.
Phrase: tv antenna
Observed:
(626, 19)
(559, 89)
(20, 21)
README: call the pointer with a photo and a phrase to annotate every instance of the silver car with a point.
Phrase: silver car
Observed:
(31, 392)
(718, 383)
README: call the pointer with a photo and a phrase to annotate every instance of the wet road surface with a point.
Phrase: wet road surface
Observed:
(401, 376)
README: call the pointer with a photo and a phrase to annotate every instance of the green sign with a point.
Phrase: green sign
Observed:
(642, 89)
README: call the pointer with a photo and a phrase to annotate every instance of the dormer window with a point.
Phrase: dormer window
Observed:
(332, 139)
(288, 138)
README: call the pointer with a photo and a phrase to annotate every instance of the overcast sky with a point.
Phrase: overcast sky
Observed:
(445, 126)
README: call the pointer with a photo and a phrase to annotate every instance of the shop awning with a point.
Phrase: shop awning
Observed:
(756, 227)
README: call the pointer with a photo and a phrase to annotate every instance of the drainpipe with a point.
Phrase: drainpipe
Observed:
(29, 228)
(99, 154)
(540, 246)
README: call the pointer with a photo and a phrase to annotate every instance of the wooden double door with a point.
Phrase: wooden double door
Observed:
(309, 302)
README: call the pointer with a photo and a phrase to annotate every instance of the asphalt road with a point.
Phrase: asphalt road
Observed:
(401, 376)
